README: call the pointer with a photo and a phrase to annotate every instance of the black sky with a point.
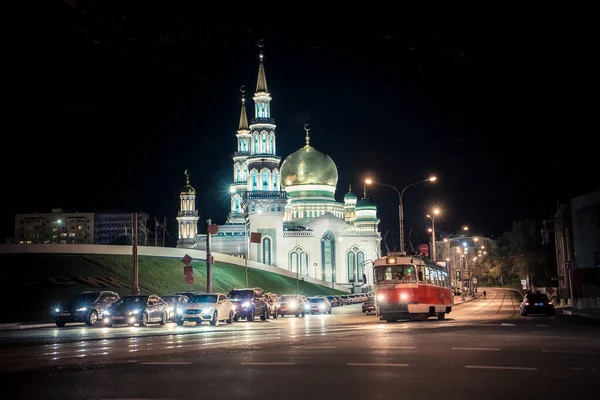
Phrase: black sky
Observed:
(118, 100)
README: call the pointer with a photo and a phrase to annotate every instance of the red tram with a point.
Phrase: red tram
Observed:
(411, 287)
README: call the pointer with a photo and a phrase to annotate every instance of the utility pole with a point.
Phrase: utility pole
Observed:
(208, 258)
(134, 248)
(462, 285)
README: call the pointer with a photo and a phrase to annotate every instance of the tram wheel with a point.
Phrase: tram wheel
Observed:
(441, 316)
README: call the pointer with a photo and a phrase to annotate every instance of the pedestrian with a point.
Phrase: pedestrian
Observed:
(484, 294)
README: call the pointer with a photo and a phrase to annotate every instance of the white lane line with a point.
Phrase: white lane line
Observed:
(167, 363)
(577, 369)
(394, 348)
(476, 348)
(315, 347)
(267, 363)
(494, 367)
(506, 324)
(569, 352)
(376, 365)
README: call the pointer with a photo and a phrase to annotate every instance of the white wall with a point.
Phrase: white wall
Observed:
(148, 251)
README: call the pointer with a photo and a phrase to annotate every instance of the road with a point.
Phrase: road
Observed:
(483, 349)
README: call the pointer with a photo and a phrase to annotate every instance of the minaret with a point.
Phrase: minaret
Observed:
(240, 166)
(187, 217)
(349, 205)
(263, 162)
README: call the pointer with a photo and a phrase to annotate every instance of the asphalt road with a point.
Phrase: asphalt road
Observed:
(483, 349)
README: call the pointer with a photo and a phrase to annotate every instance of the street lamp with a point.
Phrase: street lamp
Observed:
(401, 205)
(436, 211)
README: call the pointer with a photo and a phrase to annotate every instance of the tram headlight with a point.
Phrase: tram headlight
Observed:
(381, 297)
(403, 296)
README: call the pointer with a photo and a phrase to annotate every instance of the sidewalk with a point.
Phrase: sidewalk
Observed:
(458, 299)
(592, 313)
(18, 326)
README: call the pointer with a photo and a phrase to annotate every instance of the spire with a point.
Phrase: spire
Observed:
(261, 83)
(243, 116)
(365, 192)
(307, 129)
(349, 188)
(187, 177)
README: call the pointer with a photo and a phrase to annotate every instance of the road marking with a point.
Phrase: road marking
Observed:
(577, 369)
(315, 347)
(568, 352)
(394, 348)
(267, 363)
(542, 325)
(493, 367)
(167, 363)
(505, 324)
(376, 365)
(476, 348)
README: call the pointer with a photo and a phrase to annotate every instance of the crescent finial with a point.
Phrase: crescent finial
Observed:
(187, 177)
(243, 89)
(260, 43)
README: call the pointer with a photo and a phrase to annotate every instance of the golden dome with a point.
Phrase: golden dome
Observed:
(308, 166)
(187, 190)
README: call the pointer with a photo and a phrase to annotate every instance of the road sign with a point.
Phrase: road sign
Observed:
(474, 281)
(424, 250)
(188, 270)
(187, 260)
(255, 237)
(213, 229)
(189, 279)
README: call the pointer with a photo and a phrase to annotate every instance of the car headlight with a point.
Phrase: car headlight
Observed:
(57, 309)
(179, 310)
(106, 312)
(207, 310)
(81, 309)
(246, 304)
(133, 312)
(293, 304)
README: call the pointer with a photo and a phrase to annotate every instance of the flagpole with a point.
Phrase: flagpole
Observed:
(164, 229)
(155, 232)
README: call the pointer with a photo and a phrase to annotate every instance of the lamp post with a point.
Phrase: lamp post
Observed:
(436, 211)
(400, 205)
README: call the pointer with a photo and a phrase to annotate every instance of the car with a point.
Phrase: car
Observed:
(292, 304)
(249, 303)
(88, 307)
(536, 303)
(369, 306)
(137, 309)
(319, 305)
(210, 307)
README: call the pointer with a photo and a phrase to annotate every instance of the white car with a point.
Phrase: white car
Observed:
(211, 307)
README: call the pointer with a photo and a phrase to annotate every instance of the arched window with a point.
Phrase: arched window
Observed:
(351, 262)
(265, 181)
(275, 181)
(245, 174)
(293, 261)
(328, 257)
(238, 176)
(304, 263)
(254, 180)
(256, 151)
(237, 204)
(266, 251)
(271, 145)
(264, 143)
(360, 263)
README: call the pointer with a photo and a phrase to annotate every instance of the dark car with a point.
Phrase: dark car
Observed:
(369, 305)
(140, 309)
(88, 307)
(249, 303)
(333, 300)
(174, 301)
(537, 304)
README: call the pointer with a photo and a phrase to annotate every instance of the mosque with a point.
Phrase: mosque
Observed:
(285, 214)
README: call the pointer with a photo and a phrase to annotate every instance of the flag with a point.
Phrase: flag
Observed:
(255, 237)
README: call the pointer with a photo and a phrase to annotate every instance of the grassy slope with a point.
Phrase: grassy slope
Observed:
(34, 283)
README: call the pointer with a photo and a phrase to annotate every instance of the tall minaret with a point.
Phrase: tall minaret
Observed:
(240, 166)
(187, 217)
(262, 163)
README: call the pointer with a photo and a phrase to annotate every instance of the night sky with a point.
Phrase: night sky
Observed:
(118, 102)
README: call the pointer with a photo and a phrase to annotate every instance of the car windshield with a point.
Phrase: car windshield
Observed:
(396, 273)
(204, 298)
(85, 298)
(317, 300)
(171, 299)
(240, 294)
(287, 298)
(132, 300)
(537, 298)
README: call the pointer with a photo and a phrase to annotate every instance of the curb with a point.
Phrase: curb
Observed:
(580, 314)
(19, 326)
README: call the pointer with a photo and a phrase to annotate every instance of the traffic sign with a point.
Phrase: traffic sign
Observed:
(424, 250)
(188, 270)
(187, 260)
(569, 265)
(213, 229)
(474, 281)
(189, 279)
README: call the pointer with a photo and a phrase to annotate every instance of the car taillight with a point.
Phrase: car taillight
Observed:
(527, 303)
(549, 303)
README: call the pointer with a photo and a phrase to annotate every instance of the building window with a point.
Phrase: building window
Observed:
(238, 177)
(237, 204)
(293, 261)
(254, 180)
(275, 181)
(304, 263)
(351, 260)
(267, 251)
(264, 143)
(328, 257)
(245, 175)
(271, 145)
(360, 263)
(256, 151)
(265, 181)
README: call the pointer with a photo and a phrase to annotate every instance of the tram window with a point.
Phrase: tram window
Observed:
(420, 274)
(397, 273)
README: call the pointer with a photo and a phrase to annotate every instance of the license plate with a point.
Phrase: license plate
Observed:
(64, 314)
(539, 304)
(118, 318)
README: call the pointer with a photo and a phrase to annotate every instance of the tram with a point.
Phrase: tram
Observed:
(411, 287)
